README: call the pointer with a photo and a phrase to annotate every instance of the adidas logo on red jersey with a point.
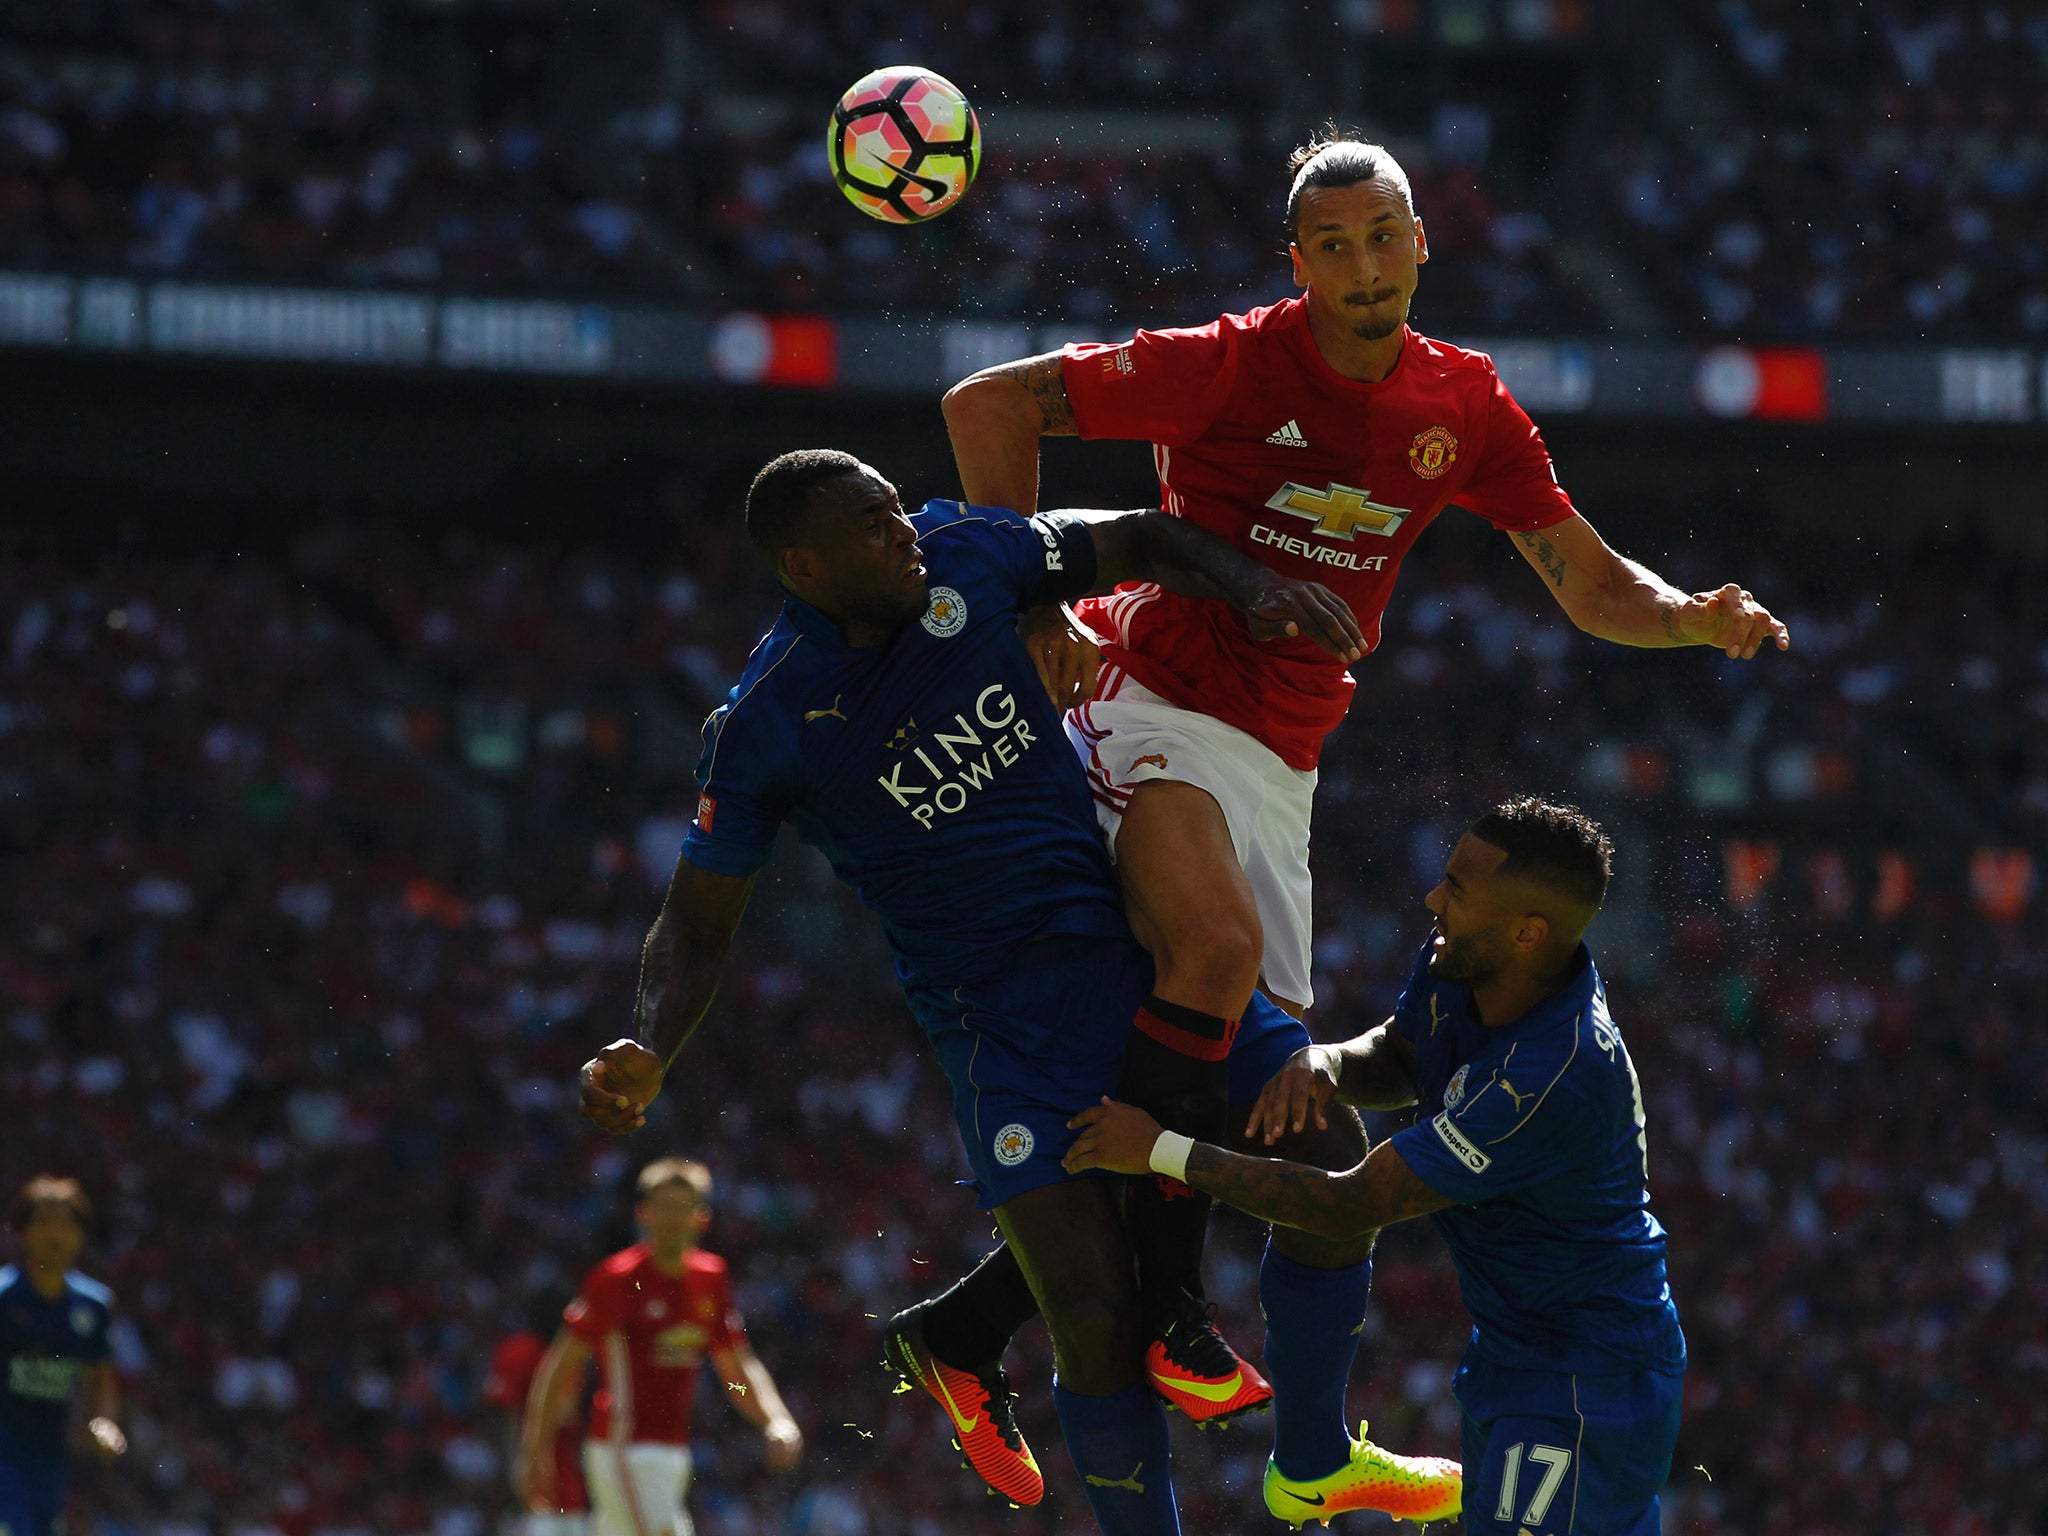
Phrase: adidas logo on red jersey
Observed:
(1289, 436)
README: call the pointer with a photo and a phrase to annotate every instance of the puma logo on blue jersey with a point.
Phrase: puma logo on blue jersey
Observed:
(825, 714)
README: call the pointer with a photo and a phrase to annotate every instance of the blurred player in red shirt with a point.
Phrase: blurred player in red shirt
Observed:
(650, 1314)
(1321, 435)
(507, 1384)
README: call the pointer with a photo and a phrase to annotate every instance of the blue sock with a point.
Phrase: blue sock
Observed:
(1120, 1448)
(1312, 1318)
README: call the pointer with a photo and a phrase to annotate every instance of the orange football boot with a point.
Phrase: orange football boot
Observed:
(980, 1405)
(1191, 1365)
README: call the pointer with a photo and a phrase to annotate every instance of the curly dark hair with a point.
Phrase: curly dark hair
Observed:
(781, 494)
(1556, 846)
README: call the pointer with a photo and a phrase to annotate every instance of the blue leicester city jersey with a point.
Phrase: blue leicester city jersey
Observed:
(1536, 1129)
(46, 1343)
(932, 770)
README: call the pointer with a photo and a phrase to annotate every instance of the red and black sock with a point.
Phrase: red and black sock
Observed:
(1176, 1068)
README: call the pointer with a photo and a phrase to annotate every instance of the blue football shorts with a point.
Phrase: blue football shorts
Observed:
(1029, 1048)
(1557, 1454)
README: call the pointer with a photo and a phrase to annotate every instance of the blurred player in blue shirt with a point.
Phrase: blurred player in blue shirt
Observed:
(53, 1338)
(1530, 1156)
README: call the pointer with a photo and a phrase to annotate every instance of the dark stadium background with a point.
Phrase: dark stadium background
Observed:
(354, 658)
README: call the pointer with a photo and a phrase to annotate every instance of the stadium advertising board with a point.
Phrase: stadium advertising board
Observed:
(638, 342)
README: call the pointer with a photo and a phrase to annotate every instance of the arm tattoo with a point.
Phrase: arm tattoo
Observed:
(1668, 612)
(1545, 554)
(1041, 377)
(1376, 1193)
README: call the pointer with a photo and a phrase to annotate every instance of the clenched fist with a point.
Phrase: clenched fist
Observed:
(618, 1084)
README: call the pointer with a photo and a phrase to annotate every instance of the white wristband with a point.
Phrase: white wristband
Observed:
(1170, 1155)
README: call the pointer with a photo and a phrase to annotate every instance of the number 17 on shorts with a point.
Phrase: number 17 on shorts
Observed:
(1555, 1454)
(1528, 1501)
(1549, 1477)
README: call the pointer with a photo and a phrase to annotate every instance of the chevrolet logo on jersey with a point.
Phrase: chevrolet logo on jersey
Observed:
(1340, 511)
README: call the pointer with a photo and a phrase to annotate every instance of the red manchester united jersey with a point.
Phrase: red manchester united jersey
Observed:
(1316, 476)
(513, 1365)
(651, 1332)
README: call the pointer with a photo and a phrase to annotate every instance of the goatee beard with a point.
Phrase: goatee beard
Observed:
(1457, 963)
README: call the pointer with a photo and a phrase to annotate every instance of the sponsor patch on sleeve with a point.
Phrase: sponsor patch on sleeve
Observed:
(707, 808)
(1052, 547)
(1462, 1149)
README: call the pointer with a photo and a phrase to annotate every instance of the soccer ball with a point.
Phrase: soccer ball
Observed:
(904, 144)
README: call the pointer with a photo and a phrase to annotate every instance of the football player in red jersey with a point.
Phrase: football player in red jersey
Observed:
(651, 1314)
(1321, 435)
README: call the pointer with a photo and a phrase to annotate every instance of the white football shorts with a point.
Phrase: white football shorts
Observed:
(1127, 734)
(637, 1488)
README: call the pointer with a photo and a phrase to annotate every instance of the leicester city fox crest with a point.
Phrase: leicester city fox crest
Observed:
(1014, 1143)
(946, 615)
(1454, 1090)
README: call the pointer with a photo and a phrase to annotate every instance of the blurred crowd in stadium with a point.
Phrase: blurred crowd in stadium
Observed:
(331, 867)
(1839, 169)
(1878, 170)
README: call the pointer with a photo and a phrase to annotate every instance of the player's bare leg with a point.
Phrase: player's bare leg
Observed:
(1187, 897)
(1191, 906)
(1313, 1291)
(1070, 1240)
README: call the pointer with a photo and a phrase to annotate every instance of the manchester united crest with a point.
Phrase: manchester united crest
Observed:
(1432, 452)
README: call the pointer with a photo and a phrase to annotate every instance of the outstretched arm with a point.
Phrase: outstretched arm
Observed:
(995, 419)
(1612, 597)
(680, 966)
(1378, 1192)
(1156, 546)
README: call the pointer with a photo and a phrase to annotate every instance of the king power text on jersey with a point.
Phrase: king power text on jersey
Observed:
(979, 749)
